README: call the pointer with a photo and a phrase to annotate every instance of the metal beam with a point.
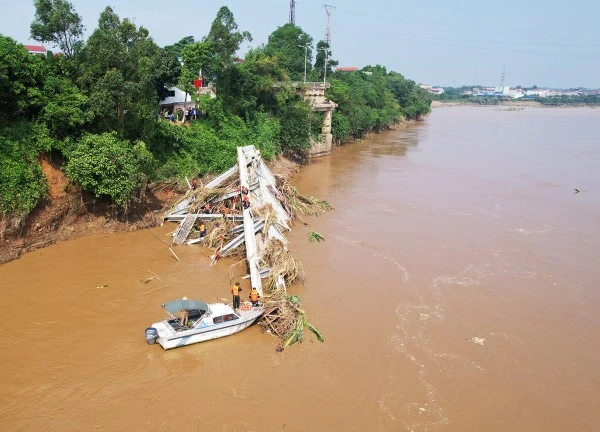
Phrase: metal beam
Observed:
(250, 235)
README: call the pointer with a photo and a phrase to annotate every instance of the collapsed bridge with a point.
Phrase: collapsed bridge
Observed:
(251, 186)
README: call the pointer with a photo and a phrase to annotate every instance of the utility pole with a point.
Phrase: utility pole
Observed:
(292, 12)
(328, 31)
(326, 49)
(305, 57)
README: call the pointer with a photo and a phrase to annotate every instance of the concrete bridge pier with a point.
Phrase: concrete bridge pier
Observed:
(315, 94)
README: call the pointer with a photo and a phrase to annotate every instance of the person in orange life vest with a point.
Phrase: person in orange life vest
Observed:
(244, 190)
(254, 296)
(207, 209)
(194, 184)
(235, 291)
(245, 202)
(202, 230)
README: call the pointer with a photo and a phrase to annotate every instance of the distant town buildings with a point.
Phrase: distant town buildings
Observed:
(509, 92)
(432, 90)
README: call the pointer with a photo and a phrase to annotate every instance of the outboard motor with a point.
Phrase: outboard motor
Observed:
(151, 335)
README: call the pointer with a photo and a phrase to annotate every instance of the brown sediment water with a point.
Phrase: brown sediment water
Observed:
(457, 290)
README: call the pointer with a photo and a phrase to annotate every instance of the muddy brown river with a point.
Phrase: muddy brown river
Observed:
(458, 289)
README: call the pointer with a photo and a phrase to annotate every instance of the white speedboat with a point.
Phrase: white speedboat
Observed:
(205, 322)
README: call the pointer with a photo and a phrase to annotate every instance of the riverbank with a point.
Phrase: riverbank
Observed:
(517, 103)
(67, 216)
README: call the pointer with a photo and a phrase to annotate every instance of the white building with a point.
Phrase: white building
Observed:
(177, 99)
(432, 90)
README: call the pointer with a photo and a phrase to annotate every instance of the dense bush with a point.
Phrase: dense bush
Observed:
(22, 183)
(106, 165)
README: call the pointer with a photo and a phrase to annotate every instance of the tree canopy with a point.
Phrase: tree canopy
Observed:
(287, 44)
(57, 22)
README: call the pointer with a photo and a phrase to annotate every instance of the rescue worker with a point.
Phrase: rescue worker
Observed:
(207, 209)
(235, 291)
(254, 296)
(194, 184)
(202, 230)
(245, 202)
(244, 190)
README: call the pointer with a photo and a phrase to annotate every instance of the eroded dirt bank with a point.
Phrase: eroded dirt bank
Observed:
(69, 214)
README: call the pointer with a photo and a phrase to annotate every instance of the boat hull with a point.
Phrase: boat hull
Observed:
(204, 334)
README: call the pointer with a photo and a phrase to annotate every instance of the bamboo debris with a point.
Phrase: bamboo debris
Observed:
(268, 214)
(295, 203)
(281, 262)
(202, 196)
(286, 319)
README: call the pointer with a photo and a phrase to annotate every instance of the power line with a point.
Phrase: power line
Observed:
(586, 40)
(448, 42)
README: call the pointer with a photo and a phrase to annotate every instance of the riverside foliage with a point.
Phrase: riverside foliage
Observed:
(95, 106)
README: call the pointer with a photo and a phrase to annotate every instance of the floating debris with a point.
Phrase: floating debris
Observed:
(476, 340)
(315, 237)
(295, 203)
(287, 321)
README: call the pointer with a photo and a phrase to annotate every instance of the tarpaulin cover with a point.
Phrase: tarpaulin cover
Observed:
(179, 305)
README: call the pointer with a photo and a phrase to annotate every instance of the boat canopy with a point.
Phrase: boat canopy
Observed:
(178, 305)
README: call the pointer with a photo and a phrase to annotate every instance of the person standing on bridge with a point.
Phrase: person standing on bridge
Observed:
(235, 291)
(254, 296)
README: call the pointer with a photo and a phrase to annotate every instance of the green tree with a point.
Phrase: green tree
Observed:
(22, 183)
(253, 86)
(295, 120)
(323, 55)
(177, 48)
(122, 72)
(56, 21)
(414, 101)
(64, 109)
(286, 44)
(107, 166)
(21, 77)
(224, 40)
(197, 57)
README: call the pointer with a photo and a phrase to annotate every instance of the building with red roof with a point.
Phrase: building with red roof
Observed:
(36, 49)
(346, 69)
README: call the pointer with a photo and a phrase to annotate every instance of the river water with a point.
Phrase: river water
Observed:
(457, 289)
